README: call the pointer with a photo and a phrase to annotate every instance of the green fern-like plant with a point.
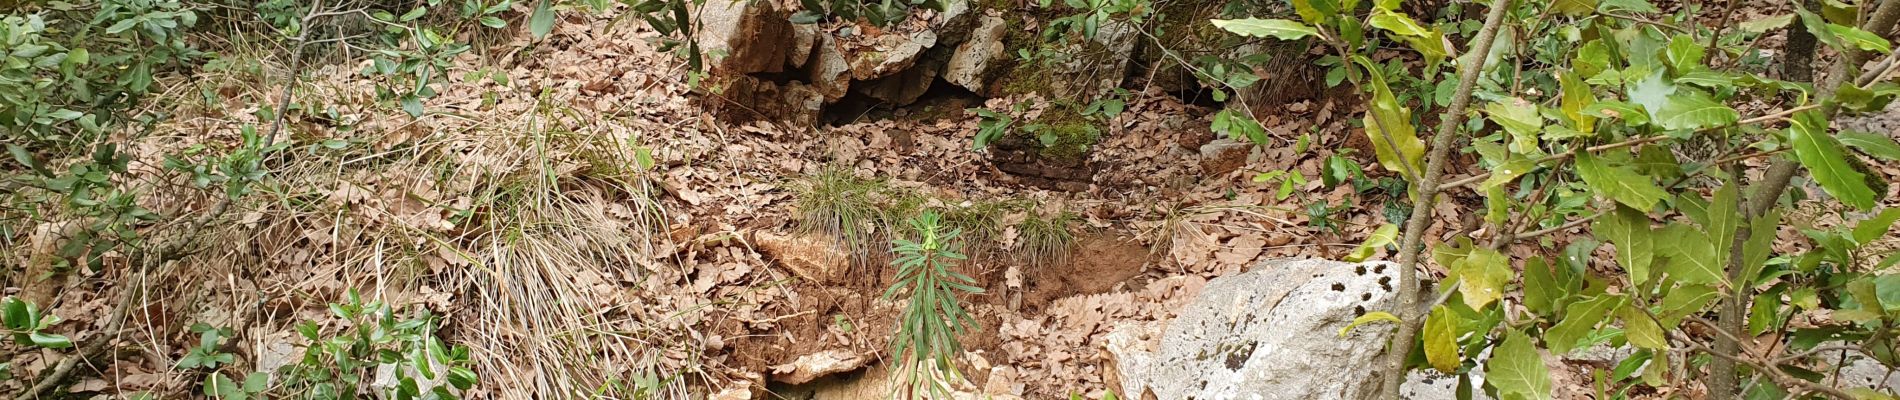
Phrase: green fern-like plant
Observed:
(926, 341)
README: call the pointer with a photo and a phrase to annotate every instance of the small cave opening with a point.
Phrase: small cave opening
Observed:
(941, 100)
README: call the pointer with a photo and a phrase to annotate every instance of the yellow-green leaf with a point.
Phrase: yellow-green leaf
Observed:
(1873, 144)
(1483, 274)
(1691, 109)
(1273, 28)
(1576, 96)
(1575, 8)
(1825, 160)
(1520, 119)
(1370, 317)
(1517, 369)
(1441, 339)
(1640, 329)
(1622, 184)
(1692, 257)
(1378, 240)
(1579, 319)
(1629, 230)
(1508, 171)
(1398, 24)
(1389, 126)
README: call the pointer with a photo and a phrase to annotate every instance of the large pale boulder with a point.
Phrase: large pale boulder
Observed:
(1272, 333)
(970, 65)
(754, 35)
(892, 54)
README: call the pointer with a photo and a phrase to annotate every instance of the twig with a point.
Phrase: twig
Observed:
(1627, 143)
(1410, 246)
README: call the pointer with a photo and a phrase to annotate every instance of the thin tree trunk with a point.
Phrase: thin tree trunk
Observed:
(1427, 191)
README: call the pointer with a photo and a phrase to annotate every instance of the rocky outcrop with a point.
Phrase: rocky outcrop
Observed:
(1272, 333)
(971, 63)
(755, 36)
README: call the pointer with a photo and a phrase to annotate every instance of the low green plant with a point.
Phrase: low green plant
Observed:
(836, 204)
(335, 365)
(208, 354)
(926, 340)
(23, 321)
(1045, 241)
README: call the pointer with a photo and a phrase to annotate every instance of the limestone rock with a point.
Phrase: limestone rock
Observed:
(830, 72)
(810, 257)
(813, 366)
(754, 35)
(893, 54)
(1098, 64)
(1272, 333)
(1224, 155)
(971, 62)
(804, 39)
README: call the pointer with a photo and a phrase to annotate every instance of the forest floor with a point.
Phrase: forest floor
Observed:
(578, 217)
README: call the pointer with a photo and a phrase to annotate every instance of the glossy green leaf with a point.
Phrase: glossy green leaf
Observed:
(541, 22)
(1873, 144)
(1725, 216)
(1483, 274)
(1440, 336)
(1517, 369)
(1685, 300)
(1370, 317)
(1861, 39)
(1574, 8)
(1694, 110)
(1388, 125)
(1315, 11)
(1640, 329)
(1507, 172)
(1377, 240)
(1398, 24)
(1543, 295)
(1760, 244)
(1629, 230)
(1692, 257)
(1617, 110)
(1267, 28)
(1683, 53)
(1873, 228)
(1520, 119)
(1826, 162)
(1763, 25)
(1576, 97)
(1619, 183)
(1579, 319)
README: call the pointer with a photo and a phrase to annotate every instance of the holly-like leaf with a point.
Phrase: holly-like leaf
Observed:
(1653, 92)
(1755, 251)
(1517, 370)
(1691, 109)
(1629, 230)
(1520, 119)
(1315, 11)
(1542, 293)
(1684, 300)
(1725, 216)
(1692, 257)
(1824, 159)
(1370, 317)
(1441, 339)
(1378, 240)
(1508, 171)
(1575, 8)
(1389, 126)
(1640, 329)
(1683, 53)
(1873, 144)
(1576, 97)
(1483, 274)
(1267, 28)
(1873, 228)
(1618, 183)
(1861, 39)
(1618, 110)
(1579, 319)
(1398, 24)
